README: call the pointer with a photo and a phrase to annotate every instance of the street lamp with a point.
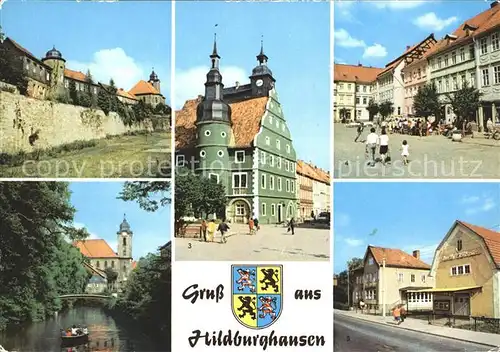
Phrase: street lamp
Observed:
(383, 288)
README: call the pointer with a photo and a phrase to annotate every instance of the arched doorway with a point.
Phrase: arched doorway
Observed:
(279, 213)
(238, 211)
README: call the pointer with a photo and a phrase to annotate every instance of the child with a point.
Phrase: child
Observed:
(405, 153)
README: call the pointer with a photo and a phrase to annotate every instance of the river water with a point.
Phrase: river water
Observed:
(106, 334)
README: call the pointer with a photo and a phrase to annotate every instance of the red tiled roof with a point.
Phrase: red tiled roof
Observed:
(246, 117)
(143, 87)
(355, 73)
(123, 93)
(312, 172)
(483, 21)
(134, 265)
(76, 75)
(491, 239)
(396, 258)
(95, 249)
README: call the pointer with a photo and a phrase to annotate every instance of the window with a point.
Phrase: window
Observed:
(422, 278)
(455, 83)
(467, 269)
(495, 42)
(214, 177)
(112, 264)
(287, 165)
(463, 79)
(471, 52)
(496, 74)
(400, 277)
(124, 253)
(277, 124)
(271, 182)
(203, 153)
(268, 141)
(223, 134)
(358, 100)
(239, 157)
(445, 60)
(220, 153)
(278, 162)
(292, 186)
(97, 264)
(271, 160)
(263, 181)
(279, 183)
(47, 77)
(459, 245)
(240, 180)
(264, 209)
(271, 119)
(460, 270)
(484, 46)
(486, 77)
(439, 62)
(287, 185)
(447, 84)
(180, 160)
(105, 263)
(462, 54)
(364, 101)
(454, 58)
(364, 89)
(412, 277)
(240, 209)
(273, 209)
(263, 158)
(278, 144)
(288, 148)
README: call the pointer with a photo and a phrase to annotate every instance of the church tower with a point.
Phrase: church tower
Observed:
(262, 79)
(213, 125)
(154, 80)
(53, 58)
(124, 240)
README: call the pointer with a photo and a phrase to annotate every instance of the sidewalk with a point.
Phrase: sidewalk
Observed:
(481, 338)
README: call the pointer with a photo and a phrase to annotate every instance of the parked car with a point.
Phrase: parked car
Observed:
(324, 217)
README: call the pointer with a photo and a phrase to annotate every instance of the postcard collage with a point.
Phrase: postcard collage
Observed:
(255, 176)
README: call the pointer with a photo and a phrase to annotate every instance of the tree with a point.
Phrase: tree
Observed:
(113, 98)
(373, 109)
(197, 194)
(86, 98)
(37, 264)
(11, 69)
(149, 195)
(111, 276)
(464, 103)
(73, 94)
(346, 281)
(103, 101)
(162, 109)
(426, 102)
(385, 109)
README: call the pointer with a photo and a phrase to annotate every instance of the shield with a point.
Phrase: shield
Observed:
(257, 294)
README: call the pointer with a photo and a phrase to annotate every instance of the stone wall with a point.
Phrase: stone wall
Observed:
(51, 124)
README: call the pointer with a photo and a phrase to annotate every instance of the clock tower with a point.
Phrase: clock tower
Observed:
(262, 79)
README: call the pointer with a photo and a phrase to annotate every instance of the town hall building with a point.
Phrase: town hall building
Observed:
(101, 256)
(238, 136)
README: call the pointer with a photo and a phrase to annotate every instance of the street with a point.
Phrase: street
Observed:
(270, 243)
(353, 335)
(430, 157)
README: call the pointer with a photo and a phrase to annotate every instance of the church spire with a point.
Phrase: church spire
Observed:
(262, 58)
(215, 56)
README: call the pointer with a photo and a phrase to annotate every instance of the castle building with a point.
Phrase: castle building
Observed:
(101, 256)
(238, 136)
(49, 77)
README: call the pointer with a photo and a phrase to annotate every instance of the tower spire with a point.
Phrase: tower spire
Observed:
(262, 58)
(215, 56)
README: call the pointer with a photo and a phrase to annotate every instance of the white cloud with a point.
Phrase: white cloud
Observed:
(343, 11)
(343, 38)
(190, 83)
(375, 50)
(353, 242)
(430, 21)
(79, 225)
(478, 204)
(111, 63)
(470, 199)
(398, 4)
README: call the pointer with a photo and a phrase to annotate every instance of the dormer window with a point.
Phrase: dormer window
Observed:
(459, 245)
(239, 157)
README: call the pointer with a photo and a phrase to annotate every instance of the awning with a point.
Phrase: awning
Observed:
(452, 289)
(415, 288)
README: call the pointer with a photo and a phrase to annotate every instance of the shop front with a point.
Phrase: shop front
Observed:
(444, 301)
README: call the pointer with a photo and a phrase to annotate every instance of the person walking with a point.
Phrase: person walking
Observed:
(396, 313)
(223, 228)
(291, 226)
(256, 224)
(489, 126)
(403, 313)
(204, 230)
(383, 141)
(405, 147)
(361, 127)
(251, 226)
(371, 146)
(211, 229)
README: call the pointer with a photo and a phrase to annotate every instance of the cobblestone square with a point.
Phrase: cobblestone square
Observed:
(435, 157)
(271, 243)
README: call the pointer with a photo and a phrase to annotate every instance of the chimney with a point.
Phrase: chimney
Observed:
(237, 84)
(416, 254)
(408, 47)
(494, 3)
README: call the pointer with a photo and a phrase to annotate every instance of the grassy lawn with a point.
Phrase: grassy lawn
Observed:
(127, 156)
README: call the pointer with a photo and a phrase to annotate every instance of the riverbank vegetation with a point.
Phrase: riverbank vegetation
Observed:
(147, 295)
(37, 261)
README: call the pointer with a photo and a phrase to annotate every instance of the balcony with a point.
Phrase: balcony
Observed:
(240, 191)
(371, 284)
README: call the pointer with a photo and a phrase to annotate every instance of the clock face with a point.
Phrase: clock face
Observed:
(259, 83)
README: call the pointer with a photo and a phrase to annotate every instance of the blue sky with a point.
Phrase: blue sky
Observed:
(123, 40)
(299, 55)
(101, 214)
(408, 216)
(375, 33)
